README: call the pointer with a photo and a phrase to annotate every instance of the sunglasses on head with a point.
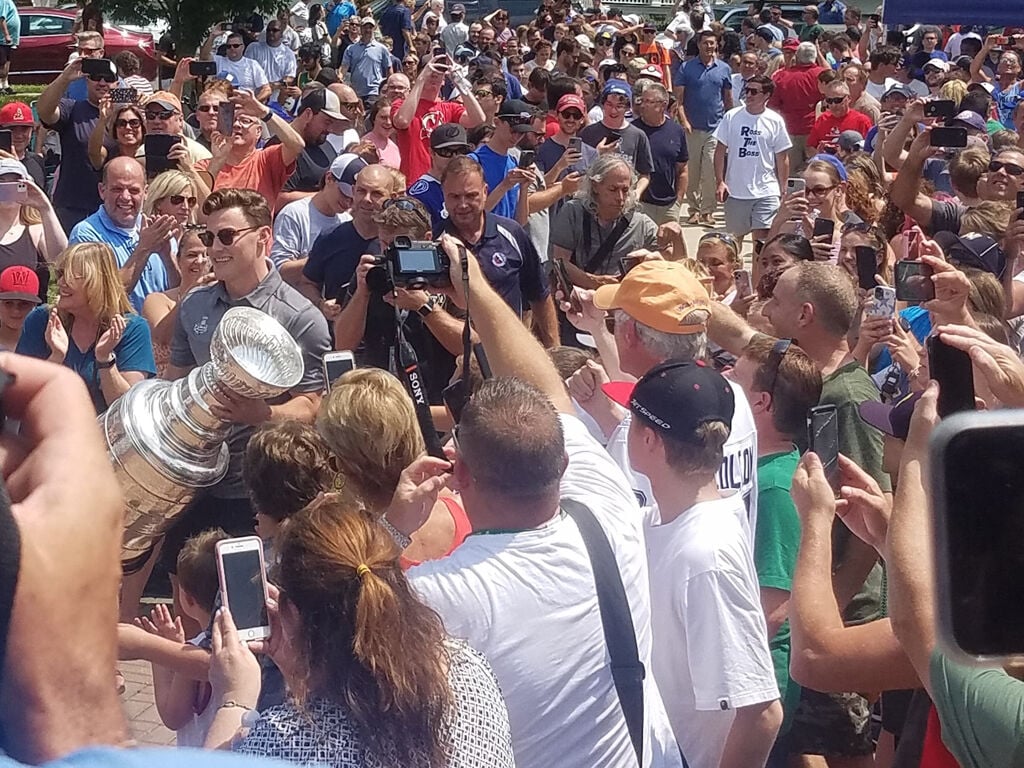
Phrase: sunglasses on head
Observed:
(775, 358)
(835, 99)
(1011, 168)
(401, 203)
(226, 236)
(133, 122)
(162, 114)
(179, 199)
(103, 78)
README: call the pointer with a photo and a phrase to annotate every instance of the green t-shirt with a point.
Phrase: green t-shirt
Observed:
(981, 711)
(776, 541)
(811, 33)
(846, 388)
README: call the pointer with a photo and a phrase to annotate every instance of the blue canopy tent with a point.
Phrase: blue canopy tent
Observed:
(989, 13)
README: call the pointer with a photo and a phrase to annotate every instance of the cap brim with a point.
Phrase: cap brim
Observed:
(877, 415)
(453, 145)
(604, 296)
(163, 103)
(619, 391)
(19, 296)
(334, 115)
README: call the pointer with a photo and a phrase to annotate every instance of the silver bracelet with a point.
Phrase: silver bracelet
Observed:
(401, 539)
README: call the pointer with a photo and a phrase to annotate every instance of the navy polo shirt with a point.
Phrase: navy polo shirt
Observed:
(668, 149)
(334, 257)
(509, 261)
(428, 191)
(702, 99)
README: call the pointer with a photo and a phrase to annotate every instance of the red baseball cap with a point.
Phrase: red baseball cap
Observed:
(571, 100)
(16, 113)
(19, 284)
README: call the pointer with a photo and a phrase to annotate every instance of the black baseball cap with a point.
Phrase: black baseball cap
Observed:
(973, 250)
(323, 100)
(677, 397)
(519, 113)
(448, 135)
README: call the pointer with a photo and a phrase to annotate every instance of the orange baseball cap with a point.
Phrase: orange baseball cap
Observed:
(660, 294)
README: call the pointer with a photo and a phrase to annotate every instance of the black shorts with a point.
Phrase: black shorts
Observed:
(236, 516)
(831, 724)
(5, 54)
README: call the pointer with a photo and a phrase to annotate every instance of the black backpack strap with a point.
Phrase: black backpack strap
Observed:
(594, 262)
(619, 634)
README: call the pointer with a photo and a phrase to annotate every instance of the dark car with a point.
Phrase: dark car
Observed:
(47, 41)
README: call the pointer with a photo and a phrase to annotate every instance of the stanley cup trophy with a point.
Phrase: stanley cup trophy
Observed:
(163, 439)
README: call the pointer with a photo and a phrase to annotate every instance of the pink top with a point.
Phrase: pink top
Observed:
(388, 150)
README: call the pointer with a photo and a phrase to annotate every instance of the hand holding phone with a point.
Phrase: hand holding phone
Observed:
(243, 585)
(914, 281)
(744, 286)
(566, 287)
(867, 266)
(336, 365)
(952, 369)
(823, 439)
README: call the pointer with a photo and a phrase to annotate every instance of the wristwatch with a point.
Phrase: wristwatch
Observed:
(427, 308)
(266, 117)
(108, 364)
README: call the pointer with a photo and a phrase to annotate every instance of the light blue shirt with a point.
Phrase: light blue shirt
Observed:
(10, 14)
(100, 228)
(367, 64)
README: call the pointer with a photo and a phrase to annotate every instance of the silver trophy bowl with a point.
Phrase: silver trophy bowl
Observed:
(165, 442)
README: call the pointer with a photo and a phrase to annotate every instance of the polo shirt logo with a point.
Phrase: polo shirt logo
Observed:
(498, 259)
(202, 326)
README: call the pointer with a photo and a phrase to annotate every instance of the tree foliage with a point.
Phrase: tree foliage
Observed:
(189, 20)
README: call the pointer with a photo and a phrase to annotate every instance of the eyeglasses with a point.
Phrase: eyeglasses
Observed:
(451, 151)
(819, 191)
(857, 226)
(835, 100)
(482, 94)
(163, 114)
(775, 358)
(226, 236)
(246, 122)
(130, 123)
(179, 199)
(571, 114)
(1011, 168)
(103, 78)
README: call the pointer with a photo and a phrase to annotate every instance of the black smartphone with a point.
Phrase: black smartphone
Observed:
(455, 398)
(5, 141)
(482, 361)
(758, 245)
(157, 145)
(824, 227)
(823, 439)
(202, 68)
(565, 286)
(977, 494)
(1020, 203)
(867, 266)
(952, 369)
(914, 281)
(948, 136)
(226, 118)
(626, 263)
(103, 67)
(944, 108)
(123, 96)
(526, 158)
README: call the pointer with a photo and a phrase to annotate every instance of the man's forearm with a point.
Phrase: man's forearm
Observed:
(350, 325)
(641, 184)
(752, 735)
(892, 146)
(447, 329)
(812, 604)
(132, 270)
(292, 143)
(48, 103)
(728, 330)
(720, 150)
(545, 321)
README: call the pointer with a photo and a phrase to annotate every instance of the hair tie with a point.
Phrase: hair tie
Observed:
(362, 569)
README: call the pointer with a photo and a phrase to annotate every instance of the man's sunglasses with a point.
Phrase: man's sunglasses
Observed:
(775, 358)
(571, 114)
(452, 151)
(998, 165)
(835, 100)
(163, 114)
(226, 236)
(103, 78)
(179, 199)
(752, 91)
(235, 45)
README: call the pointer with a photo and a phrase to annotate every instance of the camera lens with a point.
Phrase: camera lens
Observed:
(378, 280)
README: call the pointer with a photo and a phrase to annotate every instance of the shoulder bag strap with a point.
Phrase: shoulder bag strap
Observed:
(616, 620)
(595, 261)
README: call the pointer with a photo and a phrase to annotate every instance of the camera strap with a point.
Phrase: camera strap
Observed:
(408, 364)
(467, 339)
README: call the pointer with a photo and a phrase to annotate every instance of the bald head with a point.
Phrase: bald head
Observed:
(123, 189)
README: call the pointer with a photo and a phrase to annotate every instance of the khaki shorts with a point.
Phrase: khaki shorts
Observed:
(662, 214)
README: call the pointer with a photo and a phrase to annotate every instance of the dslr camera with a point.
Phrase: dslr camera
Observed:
(411, 264)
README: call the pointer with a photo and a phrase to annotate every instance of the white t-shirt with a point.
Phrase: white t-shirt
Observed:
(753, 142)
(527, 602)
(277, 61)
(247, 73)
(739, 463)
(710, 638)
(875, 90)
(297, 226)
(342, 140)
(193, 733)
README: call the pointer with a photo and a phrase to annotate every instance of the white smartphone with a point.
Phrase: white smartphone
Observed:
(743, 285)
(336, 364)
(243, 585)
(794, 186)
(883, 302)
(13, 191)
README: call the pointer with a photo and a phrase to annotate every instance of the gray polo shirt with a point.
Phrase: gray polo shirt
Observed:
(198, 316)
(567, 232)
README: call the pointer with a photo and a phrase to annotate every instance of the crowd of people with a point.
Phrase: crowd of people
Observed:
(565, 510)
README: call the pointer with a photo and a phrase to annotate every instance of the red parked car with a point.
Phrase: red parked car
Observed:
(46, 43)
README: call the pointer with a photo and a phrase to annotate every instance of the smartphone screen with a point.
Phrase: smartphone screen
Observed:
(226, 118)
(124, 95)
(914, 281)
(5, 141)
(952, 369)
(243, 583)
(336, 366)
(823, 439)
(948, 136)
(867, 266)
(202, 68)
(626, 263)
(824, 227)
(978, 495)
(565, 286)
